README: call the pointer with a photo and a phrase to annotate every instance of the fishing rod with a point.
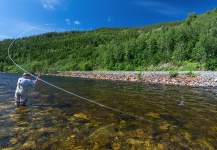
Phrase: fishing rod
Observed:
(71, 93)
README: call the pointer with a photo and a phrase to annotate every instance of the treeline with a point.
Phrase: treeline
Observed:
(186, 45)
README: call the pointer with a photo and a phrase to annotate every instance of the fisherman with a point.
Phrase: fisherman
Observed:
(24, 86)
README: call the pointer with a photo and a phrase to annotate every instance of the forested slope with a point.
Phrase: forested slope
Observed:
(187, 45)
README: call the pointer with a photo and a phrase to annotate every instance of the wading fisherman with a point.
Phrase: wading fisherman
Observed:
(24, 86)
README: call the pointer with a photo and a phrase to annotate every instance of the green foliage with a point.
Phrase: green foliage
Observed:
(190, 73)
(187, 45)
(139, 75)
(1, 66)
(173, 74)
(191, 17)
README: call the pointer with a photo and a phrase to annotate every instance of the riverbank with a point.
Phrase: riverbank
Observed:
(183, 78)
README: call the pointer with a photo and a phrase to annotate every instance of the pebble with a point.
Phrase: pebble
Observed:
(200, 78)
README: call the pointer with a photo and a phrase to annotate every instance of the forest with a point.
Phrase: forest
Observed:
(188, 45)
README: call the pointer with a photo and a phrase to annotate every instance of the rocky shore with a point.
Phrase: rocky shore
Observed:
(183, 78)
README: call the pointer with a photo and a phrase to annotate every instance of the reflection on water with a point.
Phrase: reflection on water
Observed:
(54, 119)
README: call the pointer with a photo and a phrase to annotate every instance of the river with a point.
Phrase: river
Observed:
(131, 115)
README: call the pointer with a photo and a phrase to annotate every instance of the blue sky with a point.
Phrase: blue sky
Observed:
(18, 16)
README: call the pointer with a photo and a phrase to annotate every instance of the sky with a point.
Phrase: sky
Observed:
(19, 18)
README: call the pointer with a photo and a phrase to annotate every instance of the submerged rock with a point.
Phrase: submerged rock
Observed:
(81, 116)
(134, 144)
(29, 145)
(116, 145)
(103, 134)
(153, 115)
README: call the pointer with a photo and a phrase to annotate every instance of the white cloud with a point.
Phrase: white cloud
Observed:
(2, 37)
(77, 22)
(109, 18)
(68, 21)
(14, 29)
(50, 4)
(149, 3)
(159, 7)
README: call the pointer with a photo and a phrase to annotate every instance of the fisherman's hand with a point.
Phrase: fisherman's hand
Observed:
(38, 76)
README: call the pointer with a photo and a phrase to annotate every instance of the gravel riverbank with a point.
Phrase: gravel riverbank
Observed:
(184, 78)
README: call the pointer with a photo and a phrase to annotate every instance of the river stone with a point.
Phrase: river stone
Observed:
(103, 134)
(135, 144)
(29, 145)
(81, 116)
(153, 115)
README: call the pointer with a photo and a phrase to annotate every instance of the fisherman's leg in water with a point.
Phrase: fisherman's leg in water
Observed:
(23, 99)
(17, 98)
(20, 99)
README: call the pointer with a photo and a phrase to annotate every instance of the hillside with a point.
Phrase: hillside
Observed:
(187, 45)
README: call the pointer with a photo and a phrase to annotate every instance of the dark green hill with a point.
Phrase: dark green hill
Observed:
(187, 45)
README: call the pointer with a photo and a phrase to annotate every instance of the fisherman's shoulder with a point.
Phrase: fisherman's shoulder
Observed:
(27, 81)
(20, 78)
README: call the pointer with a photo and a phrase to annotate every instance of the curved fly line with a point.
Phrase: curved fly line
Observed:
(71, 93)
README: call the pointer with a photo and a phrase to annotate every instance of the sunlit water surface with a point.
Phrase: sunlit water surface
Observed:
(54, 119)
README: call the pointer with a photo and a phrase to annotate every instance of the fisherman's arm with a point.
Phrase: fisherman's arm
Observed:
(37, 79)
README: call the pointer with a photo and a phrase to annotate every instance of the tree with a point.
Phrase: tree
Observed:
(191, 17)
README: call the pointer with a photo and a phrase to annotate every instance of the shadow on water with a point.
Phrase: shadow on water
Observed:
(54, 119)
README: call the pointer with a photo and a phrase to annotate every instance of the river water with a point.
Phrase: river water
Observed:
(54, 119)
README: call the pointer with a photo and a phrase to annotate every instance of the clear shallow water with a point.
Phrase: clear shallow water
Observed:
(55, 119)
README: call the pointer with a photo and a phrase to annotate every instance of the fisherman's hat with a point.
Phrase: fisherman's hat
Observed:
(26, 74)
